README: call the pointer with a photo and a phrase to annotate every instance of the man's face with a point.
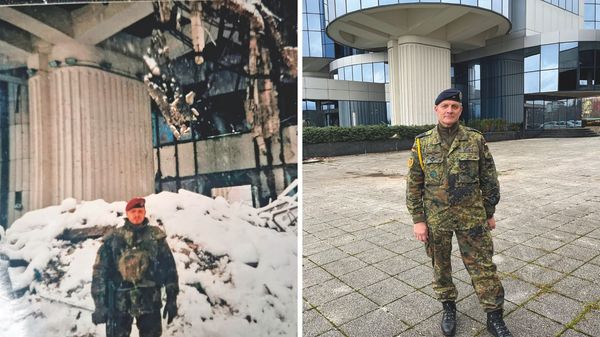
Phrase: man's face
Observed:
(448, 112)
(136, 215)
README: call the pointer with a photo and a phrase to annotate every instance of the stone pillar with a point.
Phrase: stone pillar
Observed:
(91, 136)
(419, 71)
(41, 142)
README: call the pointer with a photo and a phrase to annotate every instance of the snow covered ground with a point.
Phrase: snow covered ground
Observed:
(238, 277)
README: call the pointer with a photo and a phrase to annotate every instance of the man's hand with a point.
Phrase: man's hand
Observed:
(491, 222)
(170, 310)
(99, 316)
(420, 231)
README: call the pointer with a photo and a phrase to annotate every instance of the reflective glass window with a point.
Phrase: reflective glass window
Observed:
(304, 22)
(357, 72)
(532, 62)
(348, 73)
(569, 56)
(597, 12)
(588, 12)
(341, 74)
(369, 3)
(570, 5)
(549, 56)
(497, 6)
(589, 25)
(387, 2)
(313, 6)
(329, 50)
(485, 4)
(340, 8)
(586, 77)
(331, 10)
(531, 82)
(367, 72)
(469, 2)
(313, 21)
(567, 79)
(549, 80)
(451, 1)
(378, 72)
(576, 6)
(352, 5)
(316, 46)
(562, 4)
(586, 58)
(311, 105)
(305, 44)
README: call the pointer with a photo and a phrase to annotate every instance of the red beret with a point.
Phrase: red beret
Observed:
(135, 203)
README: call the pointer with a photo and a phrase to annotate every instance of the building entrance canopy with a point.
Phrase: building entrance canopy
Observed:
(464, 24)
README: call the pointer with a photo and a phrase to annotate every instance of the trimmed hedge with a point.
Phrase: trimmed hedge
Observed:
(493, 125)
(360, 133)
(336, 134)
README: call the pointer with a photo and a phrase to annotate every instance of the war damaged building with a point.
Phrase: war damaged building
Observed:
(112, 100)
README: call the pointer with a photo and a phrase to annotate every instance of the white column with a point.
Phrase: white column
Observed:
(96, 137)
(419, 71)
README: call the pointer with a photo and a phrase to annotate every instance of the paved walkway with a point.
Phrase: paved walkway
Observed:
(365, 275)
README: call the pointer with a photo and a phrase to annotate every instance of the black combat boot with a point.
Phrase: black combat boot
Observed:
(449, 318)
(496, 325)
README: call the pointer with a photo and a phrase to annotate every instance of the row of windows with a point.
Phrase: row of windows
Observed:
(345, 113)
(568, 5)
(591, 14)
(556, 114)
(317, 44)
(377, 72)
(336, 8)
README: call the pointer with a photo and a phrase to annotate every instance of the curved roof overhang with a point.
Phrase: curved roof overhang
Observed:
(464, 27)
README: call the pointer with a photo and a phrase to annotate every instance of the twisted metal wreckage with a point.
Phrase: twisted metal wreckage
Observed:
(263, 41)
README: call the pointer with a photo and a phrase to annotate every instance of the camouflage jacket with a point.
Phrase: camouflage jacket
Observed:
(457, 188)
(137, 262)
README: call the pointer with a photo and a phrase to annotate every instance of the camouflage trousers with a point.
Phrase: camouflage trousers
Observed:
(476, 249)
(149, 325)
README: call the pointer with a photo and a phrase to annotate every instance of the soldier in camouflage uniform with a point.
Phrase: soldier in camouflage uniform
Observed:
(133, 264)
(452, 187)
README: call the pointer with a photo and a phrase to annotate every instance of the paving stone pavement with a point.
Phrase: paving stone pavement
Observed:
(365, 275)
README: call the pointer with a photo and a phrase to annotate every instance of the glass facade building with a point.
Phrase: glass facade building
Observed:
(552, 84)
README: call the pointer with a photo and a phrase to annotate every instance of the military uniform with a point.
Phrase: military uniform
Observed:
(137, 261)
(453, 187)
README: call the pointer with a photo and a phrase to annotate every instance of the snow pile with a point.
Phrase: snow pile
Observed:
(237, 278)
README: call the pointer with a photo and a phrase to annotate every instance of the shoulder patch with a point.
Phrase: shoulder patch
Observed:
(472, 129)
(426, 133)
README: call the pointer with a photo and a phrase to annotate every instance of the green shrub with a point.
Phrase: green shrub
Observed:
(493, 125)
(335, 134)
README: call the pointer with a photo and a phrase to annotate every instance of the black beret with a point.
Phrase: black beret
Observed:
(449, 94)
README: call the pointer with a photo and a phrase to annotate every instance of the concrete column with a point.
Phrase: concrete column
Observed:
(41, 141)
(419, 71)
(95, 136)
